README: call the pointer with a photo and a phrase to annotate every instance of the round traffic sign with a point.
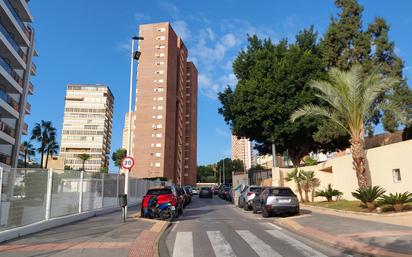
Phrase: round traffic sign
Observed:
(127, 162)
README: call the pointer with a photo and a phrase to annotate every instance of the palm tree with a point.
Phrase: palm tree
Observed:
(309, 183)
(51, 149)
(43, 132)
(296, 177)
(83, 157)
(351, 95)
(29, 150)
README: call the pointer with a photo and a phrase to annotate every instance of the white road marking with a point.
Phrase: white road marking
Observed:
(183, 245)
(220, 246)
(273, 225)
(174, 226)
(261, 248)
(303, 248)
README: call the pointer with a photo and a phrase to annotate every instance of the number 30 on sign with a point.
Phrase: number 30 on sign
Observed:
(127, 162)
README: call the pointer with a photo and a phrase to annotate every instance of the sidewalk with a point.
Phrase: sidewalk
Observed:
(379, 236)
(101, 236)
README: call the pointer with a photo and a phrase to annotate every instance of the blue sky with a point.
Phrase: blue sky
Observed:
(88, 42)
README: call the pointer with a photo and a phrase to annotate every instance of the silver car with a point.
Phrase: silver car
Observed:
(278, 200)
(247, 195)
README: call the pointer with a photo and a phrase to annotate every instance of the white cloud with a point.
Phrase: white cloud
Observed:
(182, 29)
(211, 34)
(141, 17)
(170, 8)
(221, 132)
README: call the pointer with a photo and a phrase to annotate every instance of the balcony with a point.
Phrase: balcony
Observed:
(8, 99)
(7, 129)
(33, 69)
(6, 66)
(6, 159)
(22, 8)
(25, 129)
(31, 88)
(10, 39)
(22, 26)
(28, 108)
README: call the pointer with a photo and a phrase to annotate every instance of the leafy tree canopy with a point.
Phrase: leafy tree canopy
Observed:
(118, 156)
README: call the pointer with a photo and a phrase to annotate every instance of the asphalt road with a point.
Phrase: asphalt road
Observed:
(213, 227)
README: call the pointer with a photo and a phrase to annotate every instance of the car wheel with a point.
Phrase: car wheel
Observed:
(246, 207)
(254, 210)
(265, 213)
(180, 211)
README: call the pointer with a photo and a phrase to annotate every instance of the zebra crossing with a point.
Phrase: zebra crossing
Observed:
(183, 245)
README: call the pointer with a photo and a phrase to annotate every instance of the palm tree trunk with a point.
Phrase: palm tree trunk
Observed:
(41, 158)
(83, 164)
(25, 159)
(47, 159)
(307, 195)
(313, 194)
(300, 192)
(359, 160)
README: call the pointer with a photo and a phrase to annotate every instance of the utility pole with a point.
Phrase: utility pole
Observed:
(223, 165)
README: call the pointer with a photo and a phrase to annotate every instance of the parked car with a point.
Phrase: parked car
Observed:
(278, 200)
(163, 195)
(188, 194)
(195, 191)
(247, 195)
(225, 193)
(182, 195)
(256, 202)
(206, 192)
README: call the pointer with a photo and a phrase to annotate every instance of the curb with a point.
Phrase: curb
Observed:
(358, 213)
(156, 249)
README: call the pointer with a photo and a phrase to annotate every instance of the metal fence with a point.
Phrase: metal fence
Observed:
(256, 177)
(33, 195)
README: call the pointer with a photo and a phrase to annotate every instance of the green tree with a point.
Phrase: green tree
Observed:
(43, 132)
(29, 150)
(83, 157)
(346, 43)
(272, 83)
(205, 171)
(226, 166)
(297, 177)
(350, 96)
(51, 149)
(309, 184)
(118, 156)
(104, 170)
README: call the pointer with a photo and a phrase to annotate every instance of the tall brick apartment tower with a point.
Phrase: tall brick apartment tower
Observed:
(165, 133)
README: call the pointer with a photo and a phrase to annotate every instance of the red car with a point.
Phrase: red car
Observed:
(164, 195)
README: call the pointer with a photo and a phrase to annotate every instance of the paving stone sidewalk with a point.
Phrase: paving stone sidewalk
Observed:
(356, 233)
(101, 236)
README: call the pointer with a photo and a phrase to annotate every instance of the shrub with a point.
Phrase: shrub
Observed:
(310, 161)
(329, 192)
(368, 194)
(397, 200)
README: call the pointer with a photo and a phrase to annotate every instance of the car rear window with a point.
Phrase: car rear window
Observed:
(205, 188)
(162, 191)
(255, 189)
(226, 188)
(282, 192)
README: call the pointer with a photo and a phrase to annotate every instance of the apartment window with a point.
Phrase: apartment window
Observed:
(152, 144)
(160, 107)
(151, 164)
(159, 117)
(154, 127)
(160, 99)
(154, 98)
(157, 164)
(159, 126)
(157, 154)
(160, 46)
(160, 38)
(160, 81)
(188, 80)
(159, 72)
(396, 173)
(153, 135)
(161, 29)
(154, 116)
(158, 144)
(159, 55)
(159, 63)
(158, 89)
(158, 135)
(154, 107)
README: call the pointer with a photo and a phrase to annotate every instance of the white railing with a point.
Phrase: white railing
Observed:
(30, 196)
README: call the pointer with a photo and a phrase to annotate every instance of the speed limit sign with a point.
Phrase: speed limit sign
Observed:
(127, 162)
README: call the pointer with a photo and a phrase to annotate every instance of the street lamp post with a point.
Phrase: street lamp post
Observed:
(134, 56)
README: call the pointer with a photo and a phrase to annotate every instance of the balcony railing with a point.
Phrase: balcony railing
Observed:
(28, 107)
(33, 68)
(17, 17)
(31, 88)
(10, 70)
(13, 43)
(7, 129)
(8, 99)
(6, 159)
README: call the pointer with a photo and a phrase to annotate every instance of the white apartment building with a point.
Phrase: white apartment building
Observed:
(16, 68)
(242, 150)
(87, 126)
(125, 141)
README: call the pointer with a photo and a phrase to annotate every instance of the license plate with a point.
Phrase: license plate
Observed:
(173, 208)
(284, 200)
